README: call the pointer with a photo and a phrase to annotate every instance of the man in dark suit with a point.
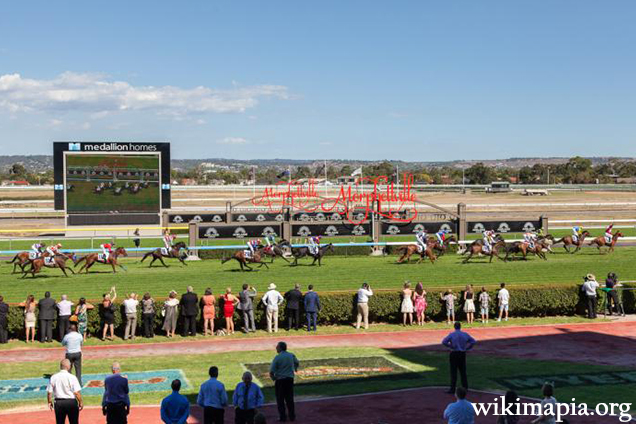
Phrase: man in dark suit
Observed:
(293, 298)
(46, 315)
(246, 305)
(312, 307)
(189, 309)
(4, 312)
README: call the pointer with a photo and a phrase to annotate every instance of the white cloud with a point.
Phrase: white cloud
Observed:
(325, 143)
(55, 122)
(99, 96)
(233, 140)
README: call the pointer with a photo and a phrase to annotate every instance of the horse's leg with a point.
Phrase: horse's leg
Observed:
(70, 269)
(162, 262)
(468, 257)
(113, 265)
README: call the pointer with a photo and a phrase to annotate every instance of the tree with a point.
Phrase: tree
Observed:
(18, 170)
(480, 174)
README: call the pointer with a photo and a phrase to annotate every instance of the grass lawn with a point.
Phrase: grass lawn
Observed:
(417, 368)
(337, 273)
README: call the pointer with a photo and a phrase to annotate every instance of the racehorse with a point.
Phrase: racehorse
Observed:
(547, 241)
(441, 248)
(411, 249)
(162, 252)
(243, 260)
(524, 248)
(569, 241)
(93, 258)
(276, 250)
(477, 248)
(22, 259)
(57, 261)
(600, 241)
(301, 252)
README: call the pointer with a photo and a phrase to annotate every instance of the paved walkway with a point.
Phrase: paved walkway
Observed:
(566, 342)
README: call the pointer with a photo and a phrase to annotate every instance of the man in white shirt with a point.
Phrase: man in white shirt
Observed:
(130, 309)
(73, 343)
(63, 395)
(504, 300)
(272, 300)
(589, 287)
(362, 300)
(63, 316)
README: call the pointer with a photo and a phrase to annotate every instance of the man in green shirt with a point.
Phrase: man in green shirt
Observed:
(282, 371)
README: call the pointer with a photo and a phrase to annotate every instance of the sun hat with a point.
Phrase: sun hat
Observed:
(272, 286)
(590, 277)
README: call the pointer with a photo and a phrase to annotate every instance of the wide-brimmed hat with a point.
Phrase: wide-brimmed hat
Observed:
(590, 277)
(272, 286)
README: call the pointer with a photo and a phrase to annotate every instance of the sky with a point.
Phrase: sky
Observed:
(368, 80)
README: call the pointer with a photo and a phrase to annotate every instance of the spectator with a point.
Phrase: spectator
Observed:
(282, 371)
(170, 314)
(4, 312)
(29, 317)
(46, 316)
(504, 300)
(419, 300)
(229, 303)
(272, 300)
(189, 309)
(213, 399)
(175, 408)
(312, 307)
(148, 315)
(208, 311)
(64, 316)
(81, 311)
(293, 298)
(461, 411)
(449, 299)
(407, 304)
(469, 304)
(611, 284)
(246, 305)
(115, 401)
(548, 411)
(136, 240)
(247, 398)
(510, 398)
(108, 314)
(73, 343)
(459, 343)
(130, 310)
(484, 304)
(362, 305)
(63, 395)
(259, 418)
(589, 288)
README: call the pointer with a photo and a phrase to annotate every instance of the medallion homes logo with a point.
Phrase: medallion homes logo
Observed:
(112, 147)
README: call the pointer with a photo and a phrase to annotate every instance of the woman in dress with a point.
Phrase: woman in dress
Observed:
(170, 314)
(419, 299)
(407, 304)
(207, 302)
(108, 314)
(81, 311)
(229, 302)
(148, 315)
(29, 317)
(469, 304)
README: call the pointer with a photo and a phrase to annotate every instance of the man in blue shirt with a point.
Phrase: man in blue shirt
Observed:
(247, 398)
(460, 412)
(175, 408)
(459, 343)
(312, 307)
(213, 399)
(73, 343)
(116, 403)
(282, 371)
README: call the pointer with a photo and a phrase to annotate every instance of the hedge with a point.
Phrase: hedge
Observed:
(384, 306)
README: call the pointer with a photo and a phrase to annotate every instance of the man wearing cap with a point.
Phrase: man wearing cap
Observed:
(272, 300)
(589, 287)
(63, 395)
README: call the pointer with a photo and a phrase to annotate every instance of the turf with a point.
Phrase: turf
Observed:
(425, 369)
(338, 273)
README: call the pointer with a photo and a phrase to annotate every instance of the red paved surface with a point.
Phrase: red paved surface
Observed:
(567, 342)
(425, 405)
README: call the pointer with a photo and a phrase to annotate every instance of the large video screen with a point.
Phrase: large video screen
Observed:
(112, 183)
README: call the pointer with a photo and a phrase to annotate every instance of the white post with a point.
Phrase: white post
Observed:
(325, 177)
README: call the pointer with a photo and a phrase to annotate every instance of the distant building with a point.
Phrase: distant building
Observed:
(347, 179)
(15, 183)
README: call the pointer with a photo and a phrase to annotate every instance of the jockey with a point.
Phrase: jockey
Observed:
(36, 248)
(54, 249)
(540, 232)
(576, 233)
(107, 249)
(441, 236)
(314, 244)
(270, 239)
(530, 237)
(608, 234)
(488, 238)
(421, 239)
(252, 245)
(168, 239)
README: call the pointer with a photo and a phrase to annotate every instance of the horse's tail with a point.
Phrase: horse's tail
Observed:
(14, 259)
(83, 258)
(561, 240)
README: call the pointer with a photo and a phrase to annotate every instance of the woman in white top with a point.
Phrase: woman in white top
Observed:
(29, 317)
(407, 304)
